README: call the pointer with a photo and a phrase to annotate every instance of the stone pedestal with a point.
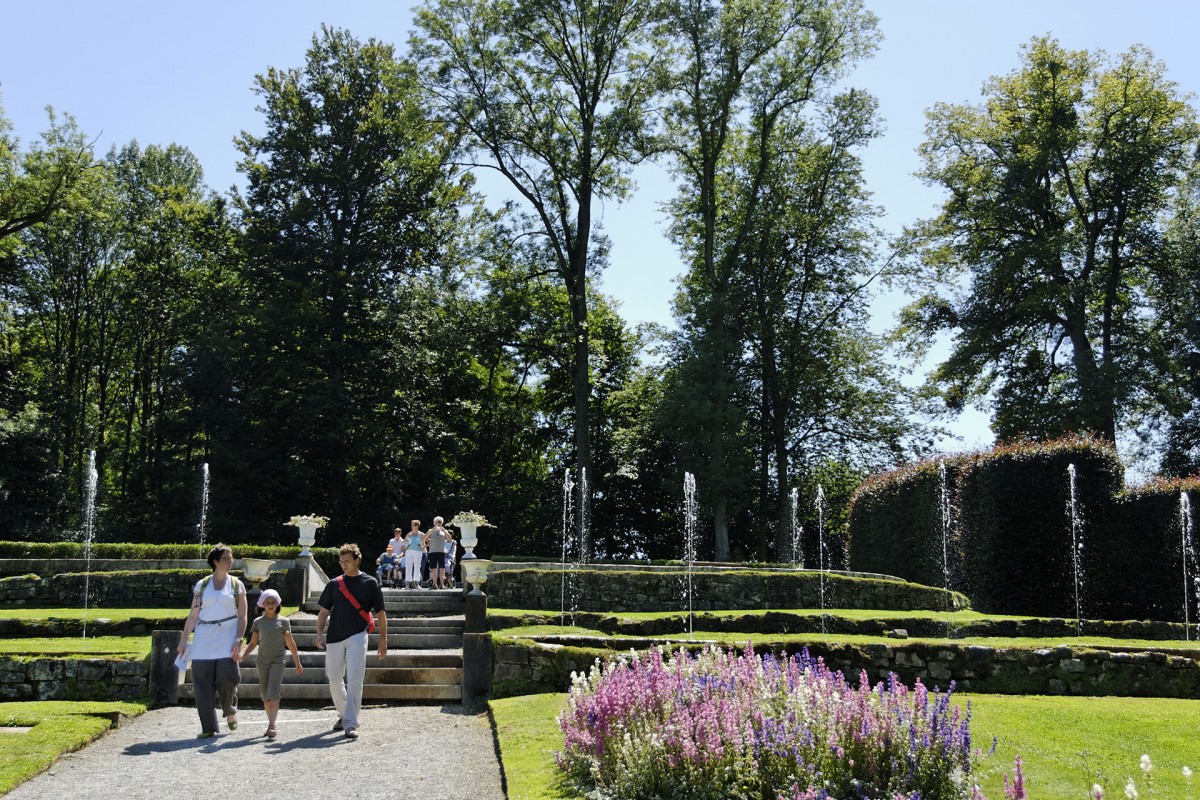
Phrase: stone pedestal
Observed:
(476, 613)
(477, 668)
(164, 675)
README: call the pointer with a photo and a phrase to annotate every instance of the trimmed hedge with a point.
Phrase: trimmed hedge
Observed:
(1016, 542)
(896, 524)
(1137, 568)
(327, 557)
(1010, 545)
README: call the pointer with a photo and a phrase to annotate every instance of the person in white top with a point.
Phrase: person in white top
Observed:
(398, 543)
(218, 620)
(412, 556)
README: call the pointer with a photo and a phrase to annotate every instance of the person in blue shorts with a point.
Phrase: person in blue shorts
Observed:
(387, 565)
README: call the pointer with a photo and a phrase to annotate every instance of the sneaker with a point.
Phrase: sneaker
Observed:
(337, 726)
(232, 723)
(206, 734)
(351, 733)
(271, 733)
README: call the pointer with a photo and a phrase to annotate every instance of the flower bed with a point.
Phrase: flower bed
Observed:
(722, 725)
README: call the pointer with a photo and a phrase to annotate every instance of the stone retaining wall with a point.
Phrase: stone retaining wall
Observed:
(126, 589)
(656, 590)
(526, 666)
(72, 679)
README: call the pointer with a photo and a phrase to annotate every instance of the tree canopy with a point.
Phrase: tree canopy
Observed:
(1057, 187)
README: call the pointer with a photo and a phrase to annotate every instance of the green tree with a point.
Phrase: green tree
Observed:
(33, 185)
(1176, 295)
(1057, 184)
(552, 95)
(177, 244)
(350, 211)
(48, 179)
(747, 75)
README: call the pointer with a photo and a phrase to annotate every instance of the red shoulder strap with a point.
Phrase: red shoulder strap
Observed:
(370, 618)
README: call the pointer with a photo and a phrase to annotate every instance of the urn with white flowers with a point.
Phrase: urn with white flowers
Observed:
(308, 524)
(468, 522)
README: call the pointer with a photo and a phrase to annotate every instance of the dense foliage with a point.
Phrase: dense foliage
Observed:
(1047, 259)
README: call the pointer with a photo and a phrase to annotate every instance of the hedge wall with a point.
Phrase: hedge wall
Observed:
(1016, 536)
(1010, 548)
(1137, 569)
(896, 524)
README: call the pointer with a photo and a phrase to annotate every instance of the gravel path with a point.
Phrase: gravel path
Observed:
(426, 752)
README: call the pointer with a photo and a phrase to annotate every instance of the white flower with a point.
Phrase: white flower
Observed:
(1145, 763)
(470, 518)
(1097, 792)
(308, 519)
(1130, 789)
(1187, 773)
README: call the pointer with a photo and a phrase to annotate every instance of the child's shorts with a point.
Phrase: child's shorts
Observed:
(270, 677)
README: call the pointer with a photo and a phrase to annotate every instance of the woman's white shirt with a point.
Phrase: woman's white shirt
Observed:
(218, 607)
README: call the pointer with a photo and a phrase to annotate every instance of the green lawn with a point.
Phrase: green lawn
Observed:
(848, 613)
(57, 727)
(114, 614)
(1067, 744)
(131, 647)
(737, 639)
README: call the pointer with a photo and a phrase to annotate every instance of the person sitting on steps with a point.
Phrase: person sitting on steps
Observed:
(387, 567)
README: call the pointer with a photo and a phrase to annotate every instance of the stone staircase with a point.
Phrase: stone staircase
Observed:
(424, 660)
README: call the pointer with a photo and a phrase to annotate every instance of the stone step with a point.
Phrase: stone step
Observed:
(396, 658)
(397, 675)
(400, 641)
(377, 691)
(442, 624)
(410, 604)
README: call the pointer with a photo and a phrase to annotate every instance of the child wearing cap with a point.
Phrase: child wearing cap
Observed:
(270, 633)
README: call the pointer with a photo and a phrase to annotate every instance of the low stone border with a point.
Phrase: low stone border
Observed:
(525, 666)
(127, 589)
(72, 679)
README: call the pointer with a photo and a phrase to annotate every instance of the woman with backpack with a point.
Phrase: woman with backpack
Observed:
(218, 621)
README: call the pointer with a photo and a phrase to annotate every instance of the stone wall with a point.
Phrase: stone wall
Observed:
(126, 589)
(733, 590)
(72, 679)
(526, 666)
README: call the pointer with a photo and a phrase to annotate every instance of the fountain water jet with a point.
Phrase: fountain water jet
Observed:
(567, 517)
(200, 527)
(89, 529)
(819, 505)
(946, 513)
(947, 516)
(689, 536)
(1076, 545)
(1188, 546)
(797, 531)
(584, 554)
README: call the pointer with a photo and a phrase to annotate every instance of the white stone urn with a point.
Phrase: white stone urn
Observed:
(308, 524)
(469, 522)
(475, 572)
(308, 537)
(469, 539)
(257, 570)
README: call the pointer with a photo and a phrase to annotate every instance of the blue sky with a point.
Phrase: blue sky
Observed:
(163, 72)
